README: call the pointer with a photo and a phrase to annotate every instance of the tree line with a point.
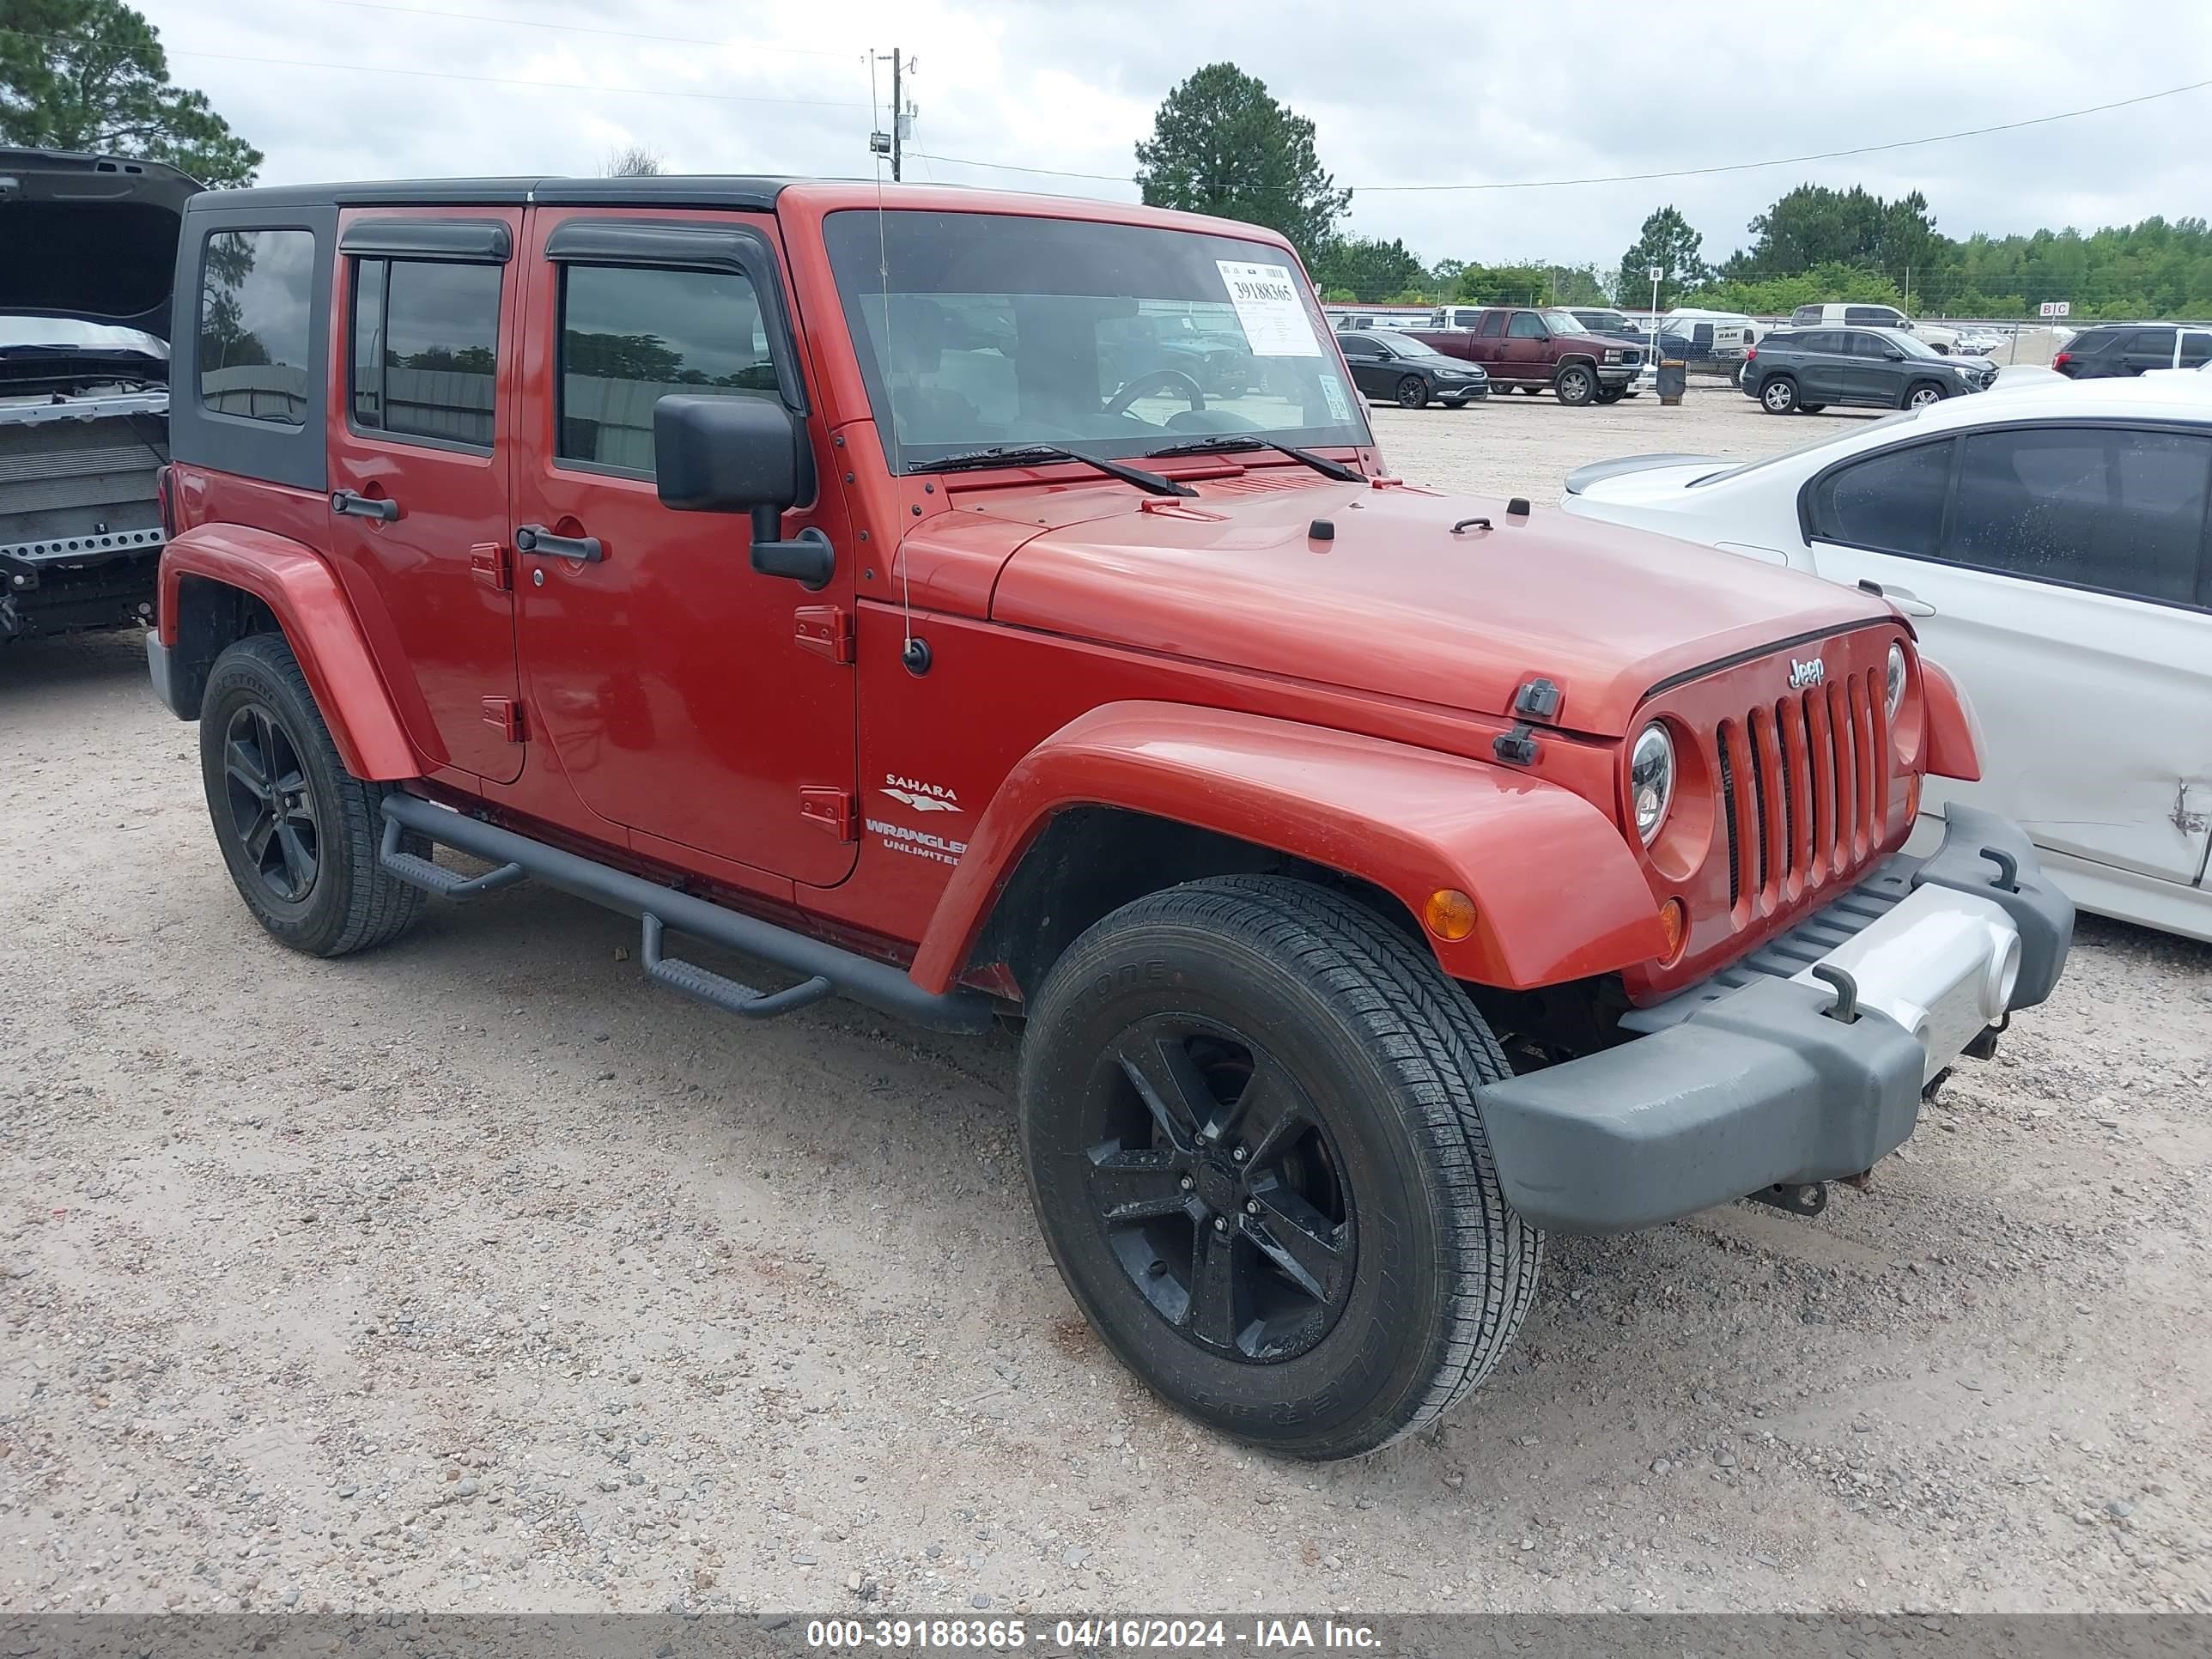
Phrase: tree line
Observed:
(91, 75)
(1222, 144)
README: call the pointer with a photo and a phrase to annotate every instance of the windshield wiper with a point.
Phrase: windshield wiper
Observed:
(1229, 440)
(968, 460)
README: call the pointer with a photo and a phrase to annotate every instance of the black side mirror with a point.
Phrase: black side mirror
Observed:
(1893, 355)
(742, 454)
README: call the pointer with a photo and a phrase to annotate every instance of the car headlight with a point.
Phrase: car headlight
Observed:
(1894, 686)
(1651, 780)
(1616, 357)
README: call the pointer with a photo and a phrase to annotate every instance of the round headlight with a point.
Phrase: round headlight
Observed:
(1895, 688)
(1651, 779)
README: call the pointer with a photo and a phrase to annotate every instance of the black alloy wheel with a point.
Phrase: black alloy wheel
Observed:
(1219, 1190)
(1413, 393)
(273, 813)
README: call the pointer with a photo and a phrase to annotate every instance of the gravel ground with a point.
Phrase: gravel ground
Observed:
(477, 1275)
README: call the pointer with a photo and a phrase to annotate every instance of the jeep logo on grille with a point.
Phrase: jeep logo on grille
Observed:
(1810, 672)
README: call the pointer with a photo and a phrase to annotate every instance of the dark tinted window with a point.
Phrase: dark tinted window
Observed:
(1493, 322)
(2101, 506)
(1525, 326)
(426, 349)
(1359, 345)
(629, 336)
(1832, 341)
(2196, 348)
(1805, 314)
(1892, 502)
(1870, 345)
(1872, 316)
(2159, 342)
(255, 289)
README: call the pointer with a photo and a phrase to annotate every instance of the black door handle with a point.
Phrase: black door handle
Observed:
(363, 506)
(537, 538)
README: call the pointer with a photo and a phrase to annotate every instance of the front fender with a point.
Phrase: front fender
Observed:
(1557, 896)
(303, 594)
(1954, 735)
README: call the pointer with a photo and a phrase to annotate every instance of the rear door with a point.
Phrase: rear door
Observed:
(1820, 366)
(1364, 356)
(427, 324)
(702, 704)
(2066, 567)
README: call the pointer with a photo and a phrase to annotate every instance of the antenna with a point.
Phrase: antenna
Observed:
(914, 653)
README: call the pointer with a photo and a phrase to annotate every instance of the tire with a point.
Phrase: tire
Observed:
(314, 881)
(1611, 394)
(1810, 408)
(1375, 1059)
(1922, 394)
(1575, 385)
(1778, 396)
(1413, 393)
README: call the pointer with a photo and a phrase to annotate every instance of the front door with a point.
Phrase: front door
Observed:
(426, 310)
(1524, 357)
(2062, 573)
(671, 678)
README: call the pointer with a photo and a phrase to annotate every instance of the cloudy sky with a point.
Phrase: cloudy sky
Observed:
(1456, 93)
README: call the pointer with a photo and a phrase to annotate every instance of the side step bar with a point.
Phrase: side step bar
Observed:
(828, 970)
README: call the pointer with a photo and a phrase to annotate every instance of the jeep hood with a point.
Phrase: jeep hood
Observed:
(1399, 604)
(89, 237)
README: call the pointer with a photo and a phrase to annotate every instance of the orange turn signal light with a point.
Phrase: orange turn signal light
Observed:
(1675, 925)
(1912, 797)
(1449, 914)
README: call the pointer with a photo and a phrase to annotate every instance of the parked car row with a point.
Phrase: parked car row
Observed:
(2053, 548)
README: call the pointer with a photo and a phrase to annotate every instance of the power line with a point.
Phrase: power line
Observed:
(576, 28)
(445, 75)
(1669, 173)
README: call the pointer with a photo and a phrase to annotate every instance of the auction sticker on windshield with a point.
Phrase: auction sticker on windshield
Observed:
(1268, 307)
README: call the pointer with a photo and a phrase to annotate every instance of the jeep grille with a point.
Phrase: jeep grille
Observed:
(1803, 786)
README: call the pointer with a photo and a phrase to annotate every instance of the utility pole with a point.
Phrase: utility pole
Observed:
(893, 142)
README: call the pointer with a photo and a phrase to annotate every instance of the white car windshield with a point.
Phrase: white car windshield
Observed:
(989, 331)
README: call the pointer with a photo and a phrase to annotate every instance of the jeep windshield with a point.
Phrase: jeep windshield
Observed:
(979, 330)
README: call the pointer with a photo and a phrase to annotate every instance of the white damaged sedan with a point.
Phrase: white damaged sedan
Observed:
(2053, 550)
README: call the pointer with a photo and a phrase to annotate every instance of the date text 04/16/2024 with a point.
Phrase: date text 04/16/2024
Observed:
(1088, 1635)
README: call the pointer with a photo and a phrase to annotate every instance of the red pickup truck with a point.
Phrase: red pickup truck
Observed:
(1377, 877)
(1534, 348)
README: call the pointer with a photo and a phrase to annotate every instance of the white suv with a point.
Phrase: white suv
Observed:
(1945, 340)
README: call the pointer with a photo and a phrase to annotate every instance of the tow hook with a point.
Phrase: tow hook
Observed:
(1805, 1198)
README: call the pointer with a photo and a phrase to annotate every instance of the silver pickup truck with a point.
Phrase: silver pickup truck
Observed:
(90, 244)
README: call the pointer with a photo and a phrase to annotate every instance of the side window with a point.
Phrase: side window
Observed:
(1493, 322)
(1466, 318)
(1805, 317)
(1525, 326)
(425, 348)
(2103, 507)
(2155, 341)
(1354, 346)
(630, 335)
(255, 289)
(1873, 317)
(1869, 345)
(1890, 503)
(2196, 348)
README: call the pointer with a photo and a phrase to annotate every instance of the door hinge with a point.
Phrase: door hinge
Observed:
(505, 714)
(826, 630)
(493, 564)
(832, 810)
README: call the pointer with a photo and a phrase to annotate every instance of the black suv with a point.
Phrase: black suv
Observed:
(1412, 372)
(1809, 368)
(2110, 351)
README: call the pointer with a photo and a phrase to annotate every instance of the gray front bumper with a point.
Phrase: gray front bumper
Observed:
(1749, 1079)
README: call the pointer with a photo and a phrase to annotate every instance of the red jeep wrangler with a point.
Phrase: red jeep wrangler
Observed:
(1378, 877)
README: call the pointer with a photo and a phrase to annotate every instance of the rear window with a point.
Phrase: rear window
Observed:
(255, 289)
(426, 349)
